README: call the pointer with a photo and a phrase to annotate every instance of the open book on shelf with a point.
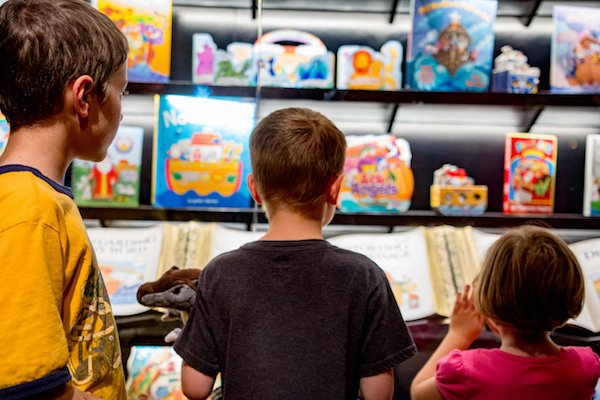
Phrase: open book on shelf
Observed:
(426, 266)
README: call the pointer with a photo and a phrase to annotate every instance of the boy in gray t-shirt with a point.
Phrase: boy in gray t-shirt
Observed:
(291, 316)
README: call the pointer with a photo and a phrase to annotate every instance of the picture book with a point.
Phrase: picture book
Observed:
(588, 255)
(291, 58)
(529, 173)
(403, 257)
(575, 50)
(361, 67)
(377, 174)
(154, 372)
(201, 152)
(234, 66)
(591, 182)
(147, 24)
(127, 257)
(4, 130)
(451, 44)
(114, 181)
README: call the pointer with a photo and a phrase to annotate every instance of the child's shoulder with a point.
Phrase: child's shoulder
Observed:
(30, 196)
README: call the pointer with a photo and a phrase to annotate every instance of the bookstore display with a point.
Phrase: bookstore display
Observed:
(198, 156)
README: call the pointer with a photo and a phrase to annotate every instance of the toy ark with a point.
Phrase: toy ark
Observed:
(377, 174)
(454, 193)
(512, 74)
(591, 186)
(201, 154)
(296, 59)
(575, 55)
(114, 181)
(450, 47)
(234, 66)
(361, 67)
(529, 173)
(147, 25)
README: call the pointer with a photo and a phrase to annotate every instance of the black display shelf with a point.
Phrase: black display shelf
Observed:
(543, 98)
(249, 216)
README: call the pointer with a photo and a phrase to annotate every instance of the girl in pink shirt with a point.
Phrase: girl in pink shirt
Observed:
(530, 283)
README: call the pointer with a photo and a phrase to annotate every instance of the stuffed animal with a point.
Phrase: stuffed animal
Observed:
(175, 291)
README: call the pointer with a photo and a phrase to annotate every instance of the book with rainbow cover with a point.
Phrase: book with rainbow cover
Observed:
(529, 173)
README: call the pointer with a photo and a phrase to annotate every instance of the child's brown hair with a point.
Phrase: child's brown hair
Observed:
(295, 153)
(47, 44)
(530, 281)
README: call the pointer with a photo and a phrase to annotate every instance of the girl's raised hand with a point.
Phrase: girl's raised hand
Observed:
(466, 321)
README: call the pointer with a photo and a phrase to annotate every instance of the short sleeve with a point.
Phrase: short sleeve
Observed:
(387, 341)
(195, 343)
(32, 336)
(451, 378)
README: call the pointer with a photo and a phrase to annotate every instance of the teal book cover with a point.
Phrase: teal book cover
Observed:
(451, 45)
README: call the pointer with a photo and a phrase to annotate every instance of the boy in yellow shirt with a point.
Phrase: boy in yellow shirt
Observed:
(62, 75)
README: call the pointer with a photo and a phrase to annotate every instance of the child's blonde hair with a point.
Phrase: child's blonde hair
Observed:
(530, 281)
(295, 153)
(47, 44)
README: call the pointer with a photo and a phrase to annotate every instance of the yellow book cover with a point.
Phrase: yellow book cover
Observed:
(148, 27)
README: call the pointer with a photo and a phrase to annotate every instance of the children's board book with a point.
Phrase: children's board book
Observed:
(403, 257)
(127, 257)
(114, 181)
(529, 173)
(4, 129)
(588, 255)
(297, 59)
(451, 45)
(154, 372)
(591, 183)
(377, 174)
(575, 54)
(233, 66)
(147, 25)
(201, 152)
(361, 67)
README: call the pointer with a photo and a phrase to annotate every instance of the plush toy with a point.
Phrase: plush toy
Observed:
(175, 291)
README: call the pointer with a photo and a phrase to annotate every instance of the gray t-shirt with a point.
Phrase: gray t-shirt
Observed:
(293, 320)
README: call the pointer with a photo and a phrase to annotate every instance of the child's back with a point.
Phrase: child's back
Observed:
(291, 316)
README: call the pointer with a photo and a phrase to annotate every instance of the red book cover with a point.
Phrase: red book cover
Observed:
(529, 173)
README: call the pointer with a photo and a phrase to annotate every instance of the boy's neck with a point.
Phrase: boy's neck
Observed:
(44, 148)
(288, 225)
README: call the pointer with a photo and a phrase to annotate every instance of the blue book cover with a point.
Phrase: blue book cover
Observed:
(451, 45)
(201, 152)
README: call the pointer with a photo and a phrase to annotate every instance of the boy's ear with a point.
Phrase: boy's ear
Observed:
(81, 92)
(333, 190)
(252, 188)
